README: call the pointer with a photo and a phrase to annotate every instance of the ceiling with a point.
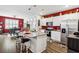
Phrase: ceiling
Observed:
(35, 9)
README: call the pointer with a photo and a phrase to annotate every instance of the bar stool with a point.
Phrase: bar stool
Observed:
(25, 43)
(18, 43)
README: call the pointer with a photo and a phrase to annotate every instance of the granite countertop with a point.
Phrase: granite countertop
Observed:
(56, 30)
(34, 34)
(72, 36)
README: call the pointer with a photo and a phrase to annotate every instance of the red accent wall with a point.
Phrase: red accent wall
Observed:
(20, 23)
(2, 19)
(53, 27)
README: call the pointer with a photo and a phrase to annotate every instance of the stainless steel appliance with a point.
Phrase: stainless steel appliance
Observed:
(64, 33)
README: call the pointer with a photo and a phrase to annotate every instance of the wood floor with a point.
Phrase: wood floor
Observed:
(55, 47)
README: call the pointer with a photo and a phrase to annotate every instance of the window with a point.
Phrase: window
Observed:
(10, 24)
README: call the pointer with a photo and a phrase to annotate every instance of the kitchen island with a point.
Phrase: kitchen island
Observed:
(73, 43)
(38, 41)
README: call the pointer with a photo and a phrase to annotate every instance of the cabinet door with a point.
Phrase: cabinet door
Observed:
(44, 43)
(63, 38)
(56, 36)
(77, 45)
(41, 43)
(33, 44)
(56, 21)
(73, 44)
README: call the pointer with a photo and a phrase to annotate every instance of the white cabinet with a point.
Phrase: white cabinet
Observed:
(57, 21)
(41, 43)
(56, 36)
(38, 44)
(33, 44)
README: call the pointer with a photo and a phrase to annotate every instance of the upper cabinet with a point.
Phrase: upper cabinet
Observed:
(57, 21)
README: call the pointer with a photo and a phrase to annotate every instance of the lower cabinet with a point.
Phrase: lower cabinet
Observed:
(73, 44)
(38, 44)
(33, 44)
(56, 36)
